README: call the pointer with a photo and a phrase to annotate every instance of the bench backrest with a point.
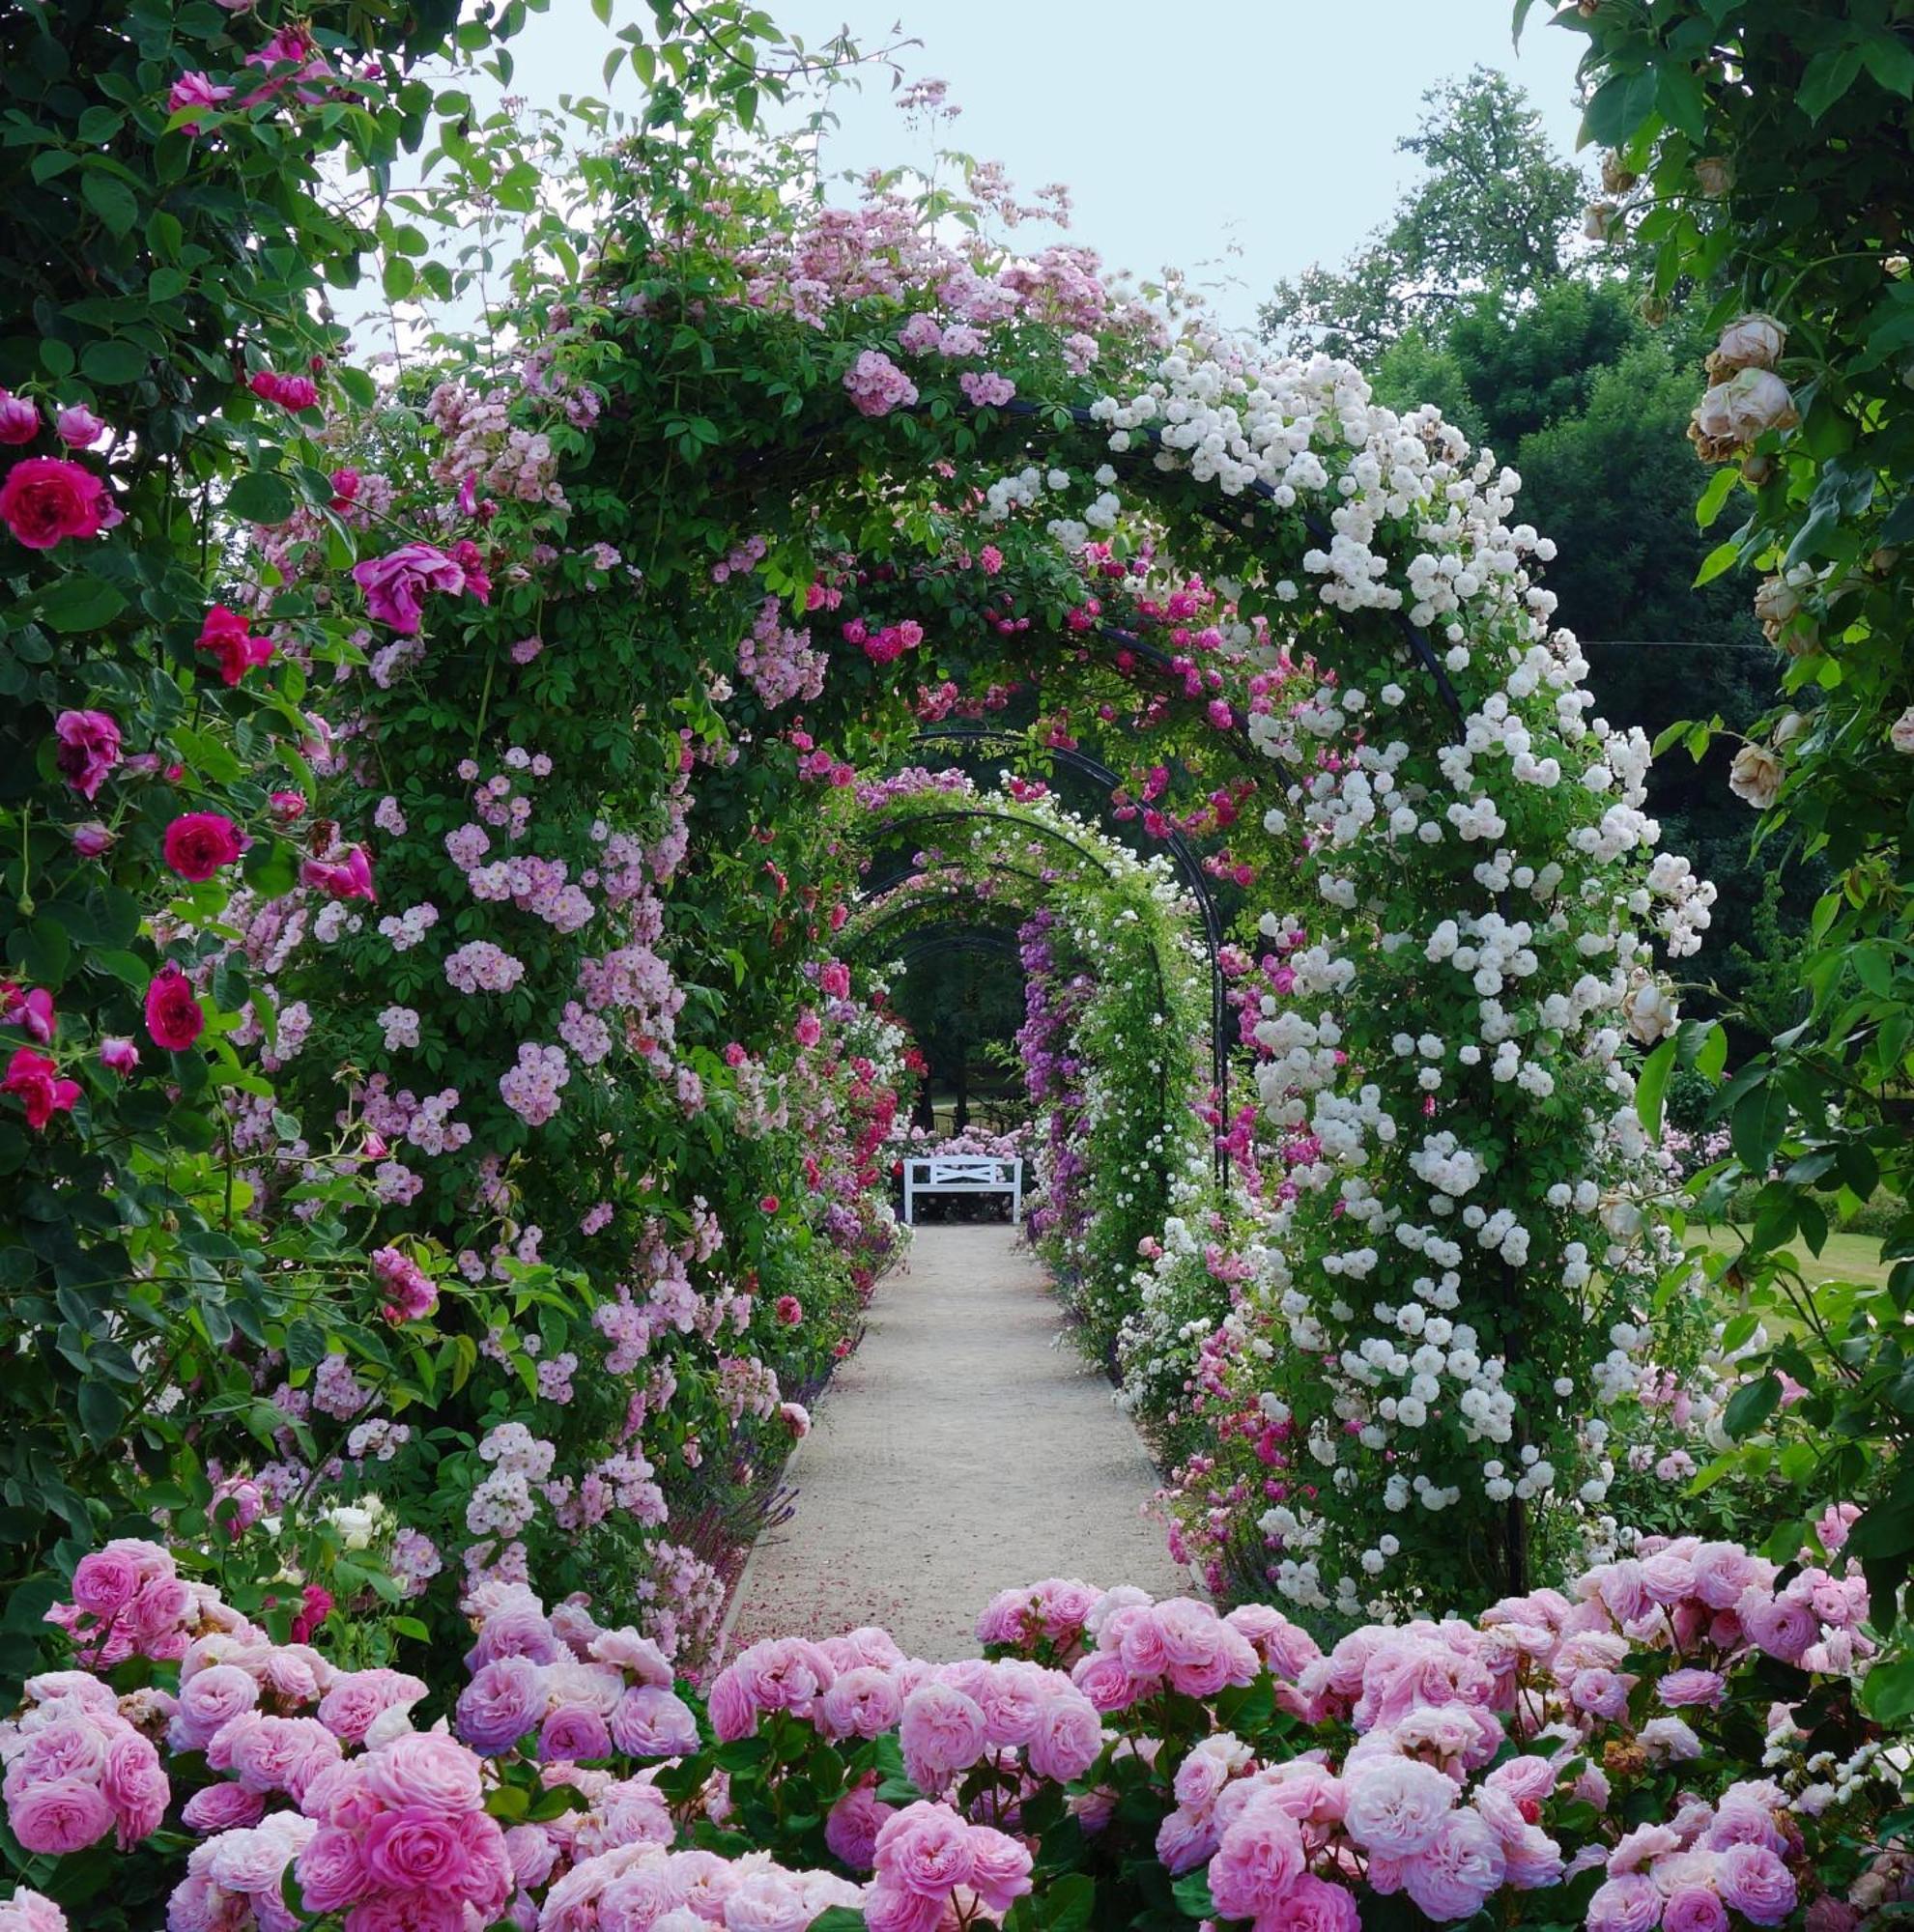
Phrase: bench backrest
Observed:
(962, 1171)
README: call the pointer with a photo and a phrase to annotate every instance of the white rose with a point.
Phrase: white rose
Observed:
(1651, 1012)
(1735, 412)
(1900, 733)
(1755, 777)
(1788, 728)
(1714, 174)
(1750, 342)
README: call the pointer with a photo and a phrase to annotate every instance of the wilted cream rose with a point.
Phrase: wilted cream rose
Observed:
(1755, 777)
(1733, 413)
(1616, 178)
(1714, 174)
(1900, 733)
(1650, 1010)
(1788, 726)
(1598, 220)
(1778, 606)
(1750, 342)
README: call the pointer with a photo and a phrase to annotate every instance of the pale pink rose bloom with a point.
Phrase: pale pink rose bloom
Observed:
(1755, 1883)
(1452, 1877)
(941, 1732)
(1069, 1738)
(852, 1824)
(1630, 1904)
(65, 1814)
(1394, 1806)
(1259, 1860)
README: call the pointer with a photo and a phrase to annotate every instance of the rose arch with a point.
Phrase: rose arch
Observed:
(798, 486)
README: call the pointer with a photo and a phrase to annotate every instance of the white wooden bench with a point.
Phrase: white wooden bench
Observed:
(961, 1174)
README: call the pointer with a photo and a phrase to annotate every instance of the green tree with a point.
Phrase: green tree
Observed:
(1496, 215)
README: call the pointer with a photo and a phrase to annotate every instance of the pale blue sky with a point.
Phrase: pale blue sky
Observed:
(1238, 139)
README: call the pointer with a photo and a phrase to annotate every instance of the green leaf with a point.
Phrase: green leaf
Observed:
(1682, 103)
(114, 363)
(112, 200)
(101, 1411)
(1750, 1405)
(399, 278)
(1722, 557)
(1618, 107)
(261, 496)
(1757, 1126)
(1709, 507)
(1653, 1085)
(1828, 76)
(1887, 1692)
(1070, 1904)
(80, 603)
(1711, 1056)
(1891, 61)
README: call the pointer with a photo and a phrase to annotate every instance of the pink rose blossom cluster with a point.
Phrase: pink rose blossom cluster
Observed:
(531, 1087)
(76, 1769)
(1705, 1862)
(29, 1911)
(948, 1717)
(638, 1887)
(934, 1868)
(877, 385)
(480, 966)
(578, 1691)
(130, 1600)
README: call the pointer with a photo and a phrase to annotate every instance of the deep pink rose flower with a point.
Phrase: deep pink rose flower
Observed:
(91, 839)
(198, 843)
(173, 1016)
(394, 583)
(227, 636)
(195, 90)
(46, 499)
(35, 1082)
(89, 749)
(346, 877)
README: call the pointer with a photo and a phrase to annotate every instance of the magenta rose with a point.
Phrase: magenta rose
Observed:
(395, 583)
(173, 1016)
(45, 500)
(89, 748)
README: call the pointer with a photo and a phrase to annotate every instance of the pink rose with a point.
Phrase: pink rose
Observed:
(223, 1807)
(173, 1016)
(1315, 1905)
(19, 420)
(1395, 1807)
(416, 1848)
(924, 1847)
(651, 1721)
(199, 844)
(572, 1734)
(864, 1702)
(999, 1867)
(852, 1824)
(105, 1581)
(1631, 1903)
(89, 749)
(1106, 1682)
(394, 583)
(942, 1731)
(77, 427)
(1755, 1883)
(64, 1815)
(425, 1770)
(1069, 1738)
(195, 90)
(329, 1871)
(1259, 1860)
(135, 1786)
(1452, 1877)
(1682, 1688)
(1694, 1908)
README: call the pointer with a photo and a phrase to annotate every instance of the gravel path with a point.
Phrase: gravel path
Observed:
(963, 1449)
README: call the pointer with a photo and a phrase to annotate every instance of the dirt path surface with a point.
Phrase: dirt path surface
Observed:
(963, 1449)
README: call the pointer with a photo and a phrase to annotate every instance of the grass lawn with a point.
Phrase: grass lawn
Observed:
(1843, 1257)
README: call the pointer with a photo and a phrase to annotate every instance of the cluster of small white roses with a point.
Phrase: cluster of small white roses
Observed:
(1520, 835)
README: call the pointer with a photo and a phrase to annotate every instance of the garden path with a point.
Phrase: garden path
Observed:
(963, 1449)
